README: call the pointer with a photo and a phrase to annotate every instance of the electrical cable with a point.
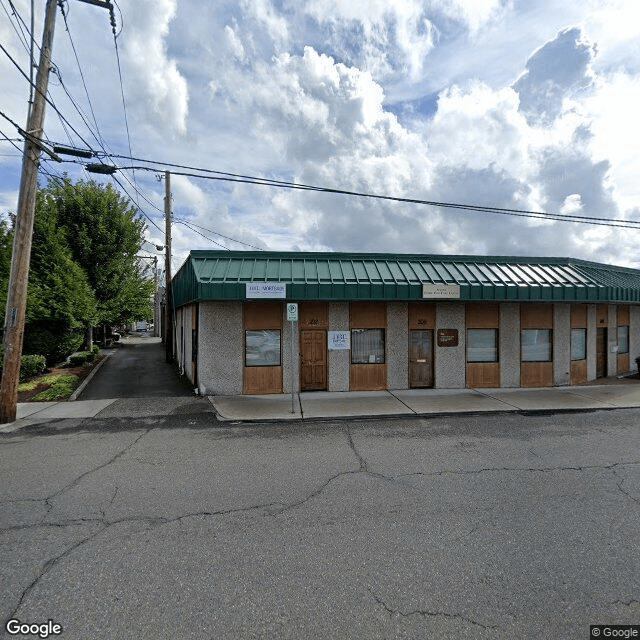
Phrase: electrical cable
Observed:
(182, 220)
(521, 213)
(65, 122)
(11, 140)
(19, 32)
(124, 103)
(84, 84)
(141, 211)
(46, 98)
(234, 177)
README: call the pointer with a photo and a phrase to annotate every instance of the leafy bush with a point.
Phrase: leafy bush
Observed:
(32, 365)
(96, 349)
(28, 386)
(53, 341)
(61, 387)
(78, 359)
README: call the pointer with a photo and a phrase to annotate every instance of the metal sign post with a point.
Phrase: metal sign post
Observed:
(292, 317)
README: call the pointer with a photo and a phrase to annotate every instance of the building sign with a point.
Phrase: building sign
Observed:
(339, 340)
(447, 337)
(266, 290)
(292, 311)
(441, 291)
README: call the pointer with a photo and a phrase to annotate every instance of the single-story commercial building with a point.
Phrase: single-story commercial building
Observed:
(272, 322)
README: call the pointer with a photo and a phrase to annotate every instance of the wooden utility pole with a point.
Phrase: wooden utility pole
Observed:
(19, 277)
(168, 317)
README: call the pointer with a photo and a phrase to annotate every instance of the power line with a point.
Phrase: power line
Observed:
(521, 213)
(48, 100)
(141, 211)
(87, 145)
(124, 103)
(18, 29)
(247, 179)
(183, 221)
(84, 84)
(186, 224)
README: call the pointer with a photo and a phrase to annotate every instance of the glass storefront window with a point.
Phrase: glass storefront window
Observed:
(262, 348)
(578, 344)
(482, 345)
(367, 346)
(623, 339)
(536, 345)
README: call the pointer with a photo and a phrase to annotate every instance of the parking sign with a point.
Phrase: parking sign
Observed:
(292, 311)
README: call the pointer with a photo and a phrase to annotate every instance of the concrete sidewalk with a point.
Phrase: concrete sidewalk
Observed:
(427, 402)
(29, 413)
(348, 404)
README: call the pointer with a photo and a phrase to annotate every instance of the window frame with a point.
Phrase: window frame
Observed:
(550, 345)
(584, 333)
(493, 360)
(384, 345)
(266, 363)
(623, 326)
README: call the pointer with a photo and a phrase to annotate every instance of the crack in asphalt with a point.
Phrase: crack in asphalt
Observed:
(363, 468)
(107, 524)
(49, 565)
(47, 500)
(619, 483)
(462, 472)
(626, 603)
(118, 455)
(426, 613)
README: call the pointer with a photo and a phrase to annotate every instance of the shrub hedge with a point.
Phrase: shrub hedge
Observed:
(32, 365)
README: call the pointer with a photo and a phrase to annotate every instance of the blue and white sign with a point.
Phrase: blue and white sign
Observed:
(266, 290)
(292, 311)
(339, 340)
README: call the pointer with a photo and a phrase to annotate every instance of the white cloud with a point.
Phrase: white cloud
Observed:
(615, 132)
(474, 13)
(155, 79)
(390, 34)
(523, 105)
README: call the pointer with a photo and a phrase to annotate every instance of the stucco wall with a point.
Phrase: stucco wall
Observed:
(290, 361)
(634, 336)
(397, 345)
(509, 341)
(561, 343)
(450, 364)
(612, 339)
(339, 361)
(592, 325)
(221, 353)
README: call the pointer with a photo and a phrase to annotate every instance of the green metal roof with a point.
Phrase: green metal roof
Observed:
(222, 275)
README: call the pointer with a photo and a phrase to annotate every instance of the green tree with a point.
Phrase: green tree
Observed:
(105, 233)
(60, 300)
(6, 247)
(59, 290)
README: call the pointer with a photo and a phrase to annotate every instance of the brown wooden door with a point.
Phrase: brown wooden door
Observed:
(601, 352)
(313, 360)
(421, 359)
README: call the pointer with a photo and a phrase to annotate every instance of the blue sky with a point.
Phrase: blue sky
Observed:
(505, 103)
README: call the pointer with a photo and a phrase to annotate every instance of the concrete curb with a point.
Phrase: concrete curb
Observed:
(398, 416)
(87, 380)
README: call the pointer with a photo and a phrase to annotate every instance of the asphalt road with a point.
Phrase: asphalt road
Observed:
(137, 368)
(177, 526)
